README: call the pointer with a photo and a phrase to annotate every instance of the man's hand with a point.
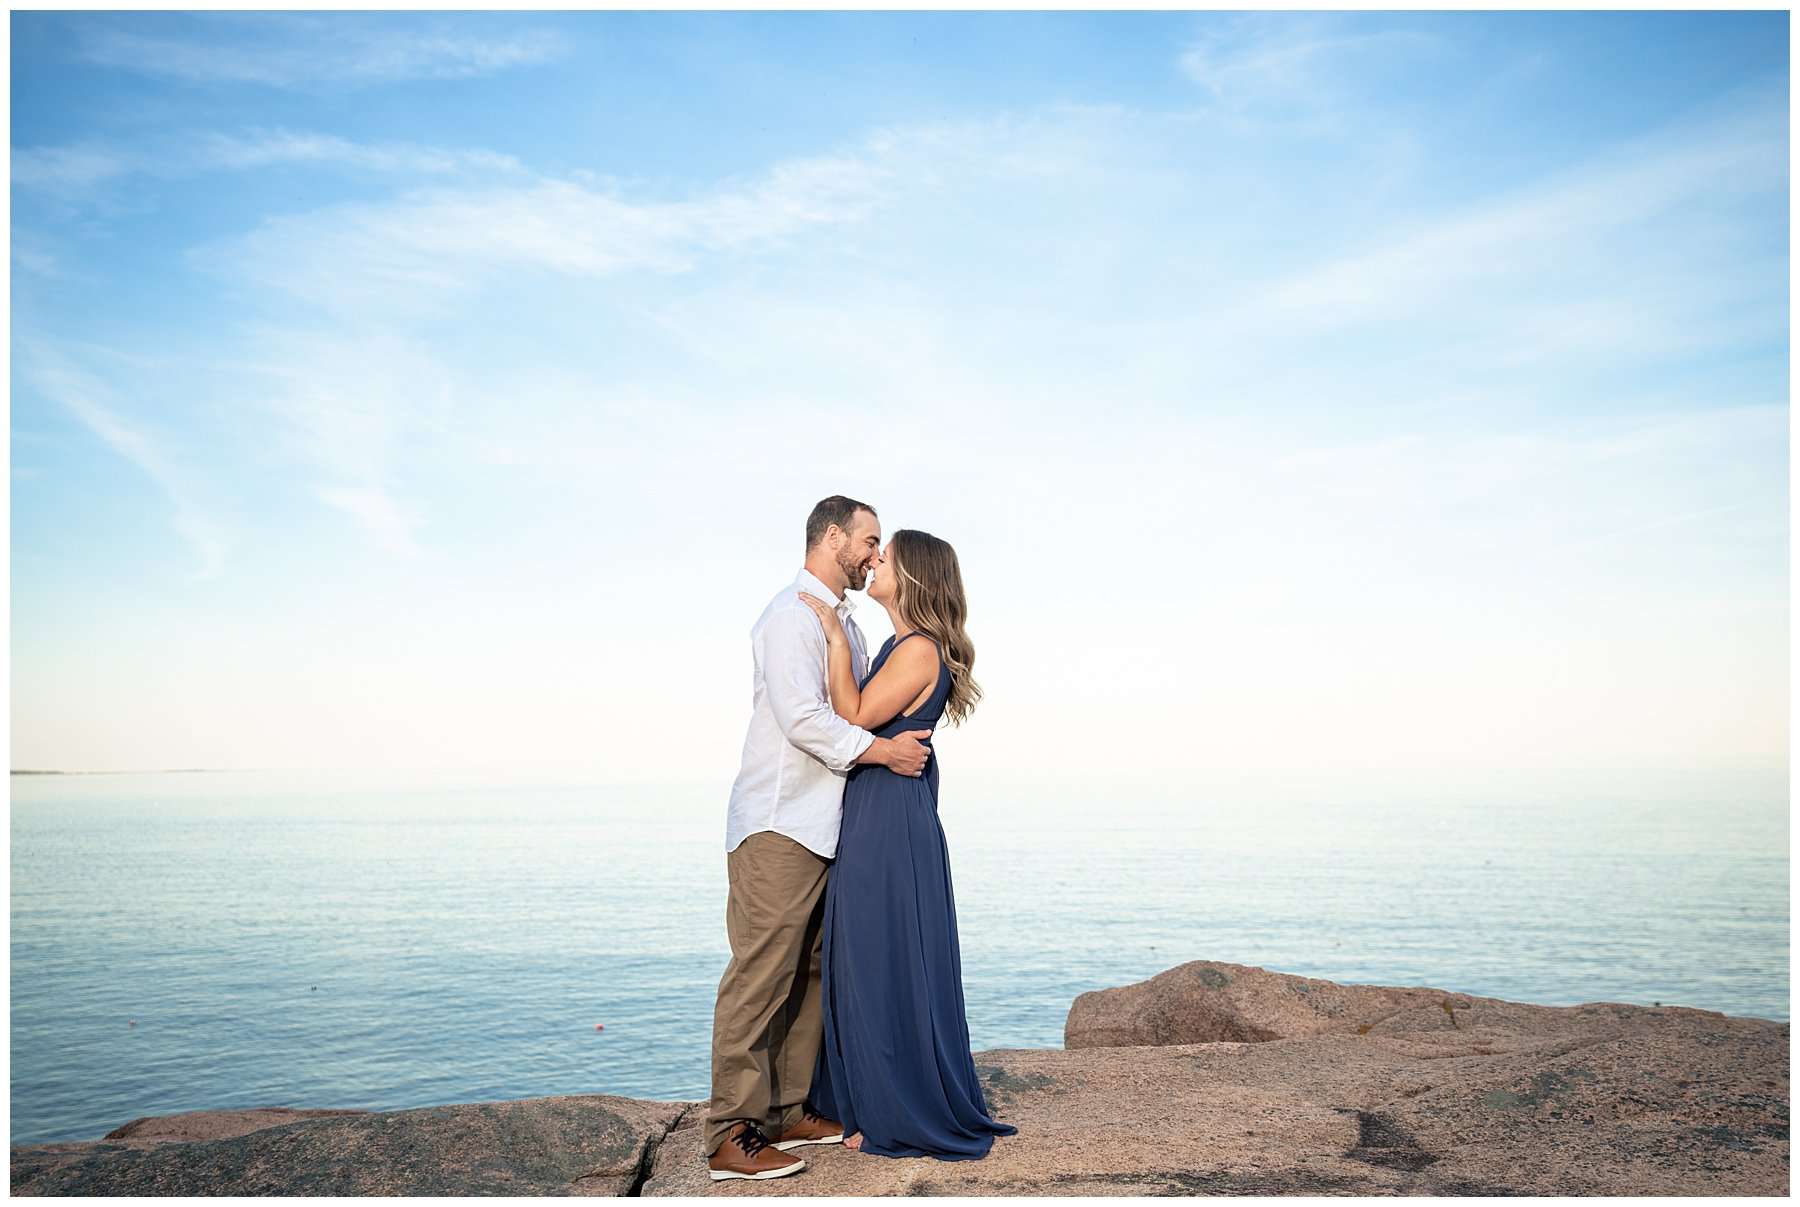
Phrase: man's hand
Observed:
(906, 754)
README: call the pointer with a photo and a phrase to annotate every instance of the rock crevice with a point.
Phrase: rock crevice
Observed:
(647, 1157)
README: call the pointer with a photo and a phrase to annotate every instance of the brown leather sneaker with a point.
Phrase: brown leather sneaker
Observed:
(813, 1128)
(747, 1153)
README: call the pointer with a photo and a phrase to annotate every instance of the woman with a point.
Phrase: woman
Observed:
(895, 1067)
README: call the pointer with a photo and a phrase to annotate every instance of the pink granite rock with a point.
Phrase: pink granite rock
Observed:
(577, 1144)
(1206, 1002)
(1602, 1100)
(1349, 1090)
(151, 1130)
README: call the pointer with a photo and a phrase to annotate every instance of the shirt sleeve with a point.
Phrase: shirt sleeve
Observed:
(791, 650)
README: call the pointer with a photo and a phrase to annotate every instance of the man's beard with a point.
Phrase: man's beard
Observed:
(856, 571)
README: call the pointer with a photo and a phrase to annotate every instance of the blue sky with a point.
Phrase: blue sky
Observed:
(1348, 391)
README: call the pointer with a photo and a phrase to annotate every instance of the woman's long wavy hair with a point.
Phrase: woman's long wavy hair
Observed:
(928, 593)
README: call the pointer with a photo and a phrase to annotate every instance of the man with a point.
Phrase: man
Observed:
(780, 835)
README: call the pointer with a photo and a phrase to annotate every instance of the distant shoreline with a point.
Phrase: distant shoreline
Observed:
(159, 771)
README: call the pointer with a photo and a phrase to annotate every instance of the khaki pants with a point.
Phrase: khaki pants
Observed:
(766, 1025)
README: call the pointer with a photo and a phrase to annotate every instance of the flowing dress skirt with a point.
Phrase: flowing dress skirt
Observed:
(895, 1064)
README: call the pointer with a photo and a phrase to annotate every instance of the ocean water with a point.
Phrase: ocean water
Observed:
(184, 942)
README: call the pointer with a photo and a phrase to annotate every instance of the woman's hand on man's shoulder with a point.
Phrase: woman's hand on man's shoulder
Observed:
(828, 619)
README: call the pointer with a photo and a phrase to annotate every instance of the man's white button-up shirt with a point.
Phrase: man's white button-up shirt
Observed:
(798, 750)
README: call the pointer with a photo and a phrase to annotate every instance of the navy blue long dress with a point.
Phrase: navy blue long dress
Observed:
(895, 1064)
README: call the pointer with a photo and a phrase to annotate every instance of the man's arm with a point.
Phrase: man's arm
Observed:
(904, 755)
(792, 656)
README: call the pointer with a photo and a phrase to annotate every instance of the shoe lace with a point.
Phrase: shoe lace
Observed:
(810, 1115)
(751, 1140)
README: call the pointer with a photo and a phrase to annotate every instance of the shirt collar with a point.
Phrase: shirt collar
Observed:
(809, 582)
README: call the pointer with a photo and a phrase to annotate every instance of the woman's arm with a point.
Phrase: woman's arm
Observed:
(793, 662)
(909, 670)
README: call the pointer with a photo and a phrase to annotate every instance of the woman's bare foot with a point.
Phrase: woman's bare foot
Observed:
(853, 1140)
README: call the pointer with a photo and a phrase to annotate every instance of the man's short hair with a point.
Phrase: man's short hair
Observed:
(839, 510)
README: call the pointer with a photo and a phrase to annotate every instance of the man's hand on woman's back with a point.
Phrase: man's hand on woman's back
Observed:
(904, 755)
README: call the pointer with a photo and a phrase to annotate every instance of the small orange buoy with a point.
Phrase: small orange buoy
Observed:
(599, 1026)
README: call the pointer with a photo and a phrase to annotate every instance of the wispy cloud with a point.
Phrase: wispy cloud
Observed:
(419, 248)
(301, 52)
(88, 399)
(424, 247)
(1521, 236)
(386, 522)
(93, 168)
(27, 256)
(1649, 250)
(262, 148)
(1287, 66)
(1655, 525)
(73, 167)
(1604, 259)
